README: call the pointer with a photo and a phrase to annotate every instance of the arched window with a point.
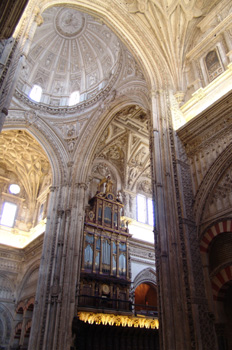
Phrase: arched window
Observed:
(146, 299)
(36, 93)
(145, 210)
(74, 98)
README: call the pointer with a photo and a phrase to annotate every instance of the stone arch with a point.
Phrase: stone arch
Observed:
(27, 288)
(20, 307)
(6, 322)
(17, 332)
(216, 171)
(31, 301)
(147, 275)
(213, 231)
(28, 326)
(97, 123)
(219, 280)
(45, 136)
(144, 292)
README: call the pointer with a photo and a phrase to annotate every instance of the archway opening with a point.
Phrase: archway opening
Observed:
(25, 167)
(145, 299)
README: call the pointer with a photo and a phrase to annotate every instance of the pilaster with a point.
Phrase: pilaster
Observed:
(172, 311)
(59, 269)
(182, 307)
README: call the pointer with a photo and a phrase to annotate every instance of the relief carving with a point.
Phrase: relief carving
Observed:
(145, 186)
(220, 198)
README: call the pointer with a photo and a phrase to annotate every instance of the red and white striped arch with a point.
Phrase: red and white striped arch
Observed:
(219, 283)
(213, 231)
(20, 308)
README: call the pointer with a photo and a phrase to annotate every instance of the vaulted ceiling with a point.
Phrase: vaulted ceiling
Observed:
(71, 51)
(24, 162)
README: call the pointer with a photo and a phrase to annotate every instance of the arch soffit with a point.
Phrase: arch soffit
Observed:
(90, 137)
(50, 143)
(7, 319)
(116, 18)
(216, 171)
(8, 282)
(219, 280)
(35, 266)
(111, 167)
(147, 275)
(6, 311)
(29, 302)
(25, 304)
(212, 231)
(21, 305)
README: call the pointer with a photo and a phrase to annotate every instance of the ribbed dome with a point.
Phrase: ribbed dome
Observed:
(71, 51)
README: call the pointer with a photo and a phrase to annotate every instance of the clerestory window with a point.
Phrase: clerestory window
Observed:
(74, 98)
(36, 93)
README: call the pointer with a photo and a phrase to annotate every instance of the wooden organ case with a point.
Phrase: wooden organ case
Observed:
(105, 277)
(105, 318)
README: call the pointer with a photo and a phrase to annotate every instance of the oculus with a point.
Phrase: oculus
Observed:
(14, 189)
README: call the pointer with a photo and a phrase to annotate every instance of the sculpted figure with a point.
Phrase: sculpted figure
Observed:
(108, 184)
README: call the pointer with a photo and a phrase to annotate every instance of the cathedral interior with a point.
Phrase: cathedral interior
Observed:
(116, 175)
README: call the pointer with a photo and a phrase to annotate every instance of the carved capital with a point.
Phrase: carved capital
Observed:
(82, 185)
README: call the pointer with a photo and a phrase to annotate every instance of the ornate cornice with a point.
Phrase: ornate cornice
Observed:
(200, 132)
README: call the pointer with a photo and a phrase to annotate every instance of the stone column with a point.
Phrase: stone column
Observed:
(71, 267)
(59, 270)
(43, 300)
(174, 327)
(183, 312)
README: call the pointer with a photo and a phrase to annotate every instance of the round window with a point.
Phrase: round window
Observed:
(14, 189)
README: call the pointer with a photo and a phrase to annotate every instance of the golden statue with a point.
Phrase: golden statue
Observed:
(108, 184)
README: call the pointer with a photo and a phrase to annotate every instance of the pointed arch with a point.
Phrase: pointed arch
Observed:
(34, 269)
(6, 324)
(31, 301)
(45, 136)
(95, 127)
(217, 169)
(147, 275)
